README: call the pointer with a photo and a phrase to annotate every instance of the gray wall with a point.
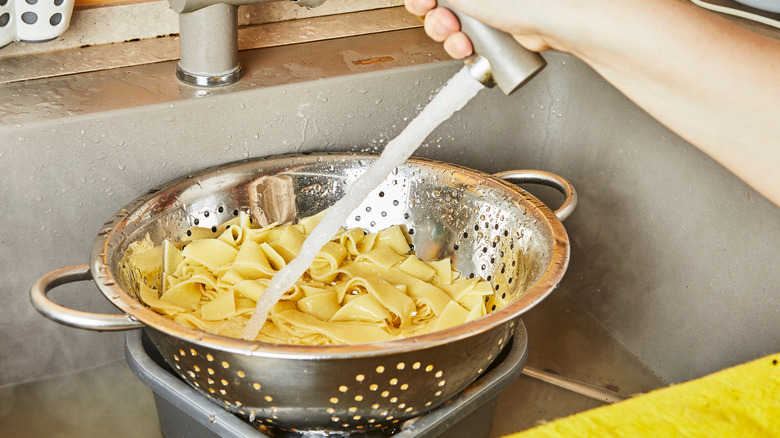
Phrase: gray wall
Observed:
(674, 255)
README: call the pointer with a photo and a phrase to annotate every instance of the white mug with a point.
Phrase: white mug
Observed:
(7, 22)
(39, 21)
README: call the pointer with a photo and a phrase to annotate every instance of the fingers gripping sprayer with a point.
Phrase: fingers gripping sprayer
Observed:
(499, 60)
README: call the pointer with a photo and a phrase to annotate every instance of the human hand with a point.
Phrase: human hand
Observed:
(442, 26)
(521, 20)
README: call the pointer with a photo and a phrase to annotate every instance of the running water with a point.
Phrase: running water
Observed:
(458, 91)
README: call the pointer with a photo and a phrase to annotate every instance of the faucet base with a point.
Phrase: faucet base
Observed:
(208, 46)
(209, 81)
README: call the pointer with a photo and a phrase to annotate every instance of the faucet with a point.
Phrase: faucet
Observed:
(208, 40)
(498, 59)
(208, 45)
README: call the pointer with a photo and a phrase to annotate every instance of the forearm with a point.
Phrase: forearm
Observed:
(714, 84)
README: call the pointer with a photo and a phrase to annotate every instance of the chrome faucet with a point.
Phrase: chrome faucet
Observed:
(208, 43)
(208, 39)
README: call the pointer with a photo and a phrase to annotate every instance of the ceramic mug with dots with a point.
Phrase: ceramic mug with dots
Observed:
(38, 21)
(7, 23)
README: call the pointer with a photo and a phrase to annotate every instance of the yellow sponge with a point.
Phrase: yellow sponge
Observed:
(743, 401)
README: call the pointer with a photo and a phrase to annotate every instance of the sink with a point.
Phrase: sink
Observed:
(669, 279)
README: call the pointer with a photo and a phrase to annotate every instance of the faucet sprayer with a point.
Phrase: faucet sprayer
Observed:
(499, 60)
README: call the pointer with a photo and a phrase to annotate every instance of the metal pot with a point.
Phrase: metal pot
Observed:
(485, 224)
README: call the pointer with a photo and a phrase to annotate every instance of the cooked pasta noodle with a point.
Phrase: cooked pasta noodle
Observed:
(360, 288)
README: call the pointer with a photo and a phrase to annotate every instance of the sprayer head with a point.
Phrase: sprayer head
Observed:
(500, 59)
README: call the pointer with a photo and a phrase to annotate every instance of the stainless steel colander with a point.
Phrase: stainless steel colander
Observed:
(485, 224)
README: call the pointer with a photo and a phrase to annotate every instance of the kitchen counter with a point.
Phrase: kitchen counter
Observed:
(110, 401)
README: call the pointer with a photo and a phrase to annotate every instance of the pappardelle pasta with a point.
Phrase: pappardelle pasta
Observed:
(360, 288)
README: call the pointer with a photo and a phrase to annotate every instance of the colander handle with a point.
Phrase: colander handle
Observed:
(72, 317)
(546, 179)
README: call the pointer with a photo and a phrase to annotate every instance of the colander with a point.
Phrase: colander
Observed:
(488, 227)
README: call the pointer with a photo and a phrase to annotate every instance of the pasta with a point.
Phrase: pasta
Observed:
(360, 288)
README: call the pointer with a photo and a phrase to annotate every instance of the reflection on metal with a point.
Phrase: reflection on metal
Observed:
(209, 81)
(479, 68)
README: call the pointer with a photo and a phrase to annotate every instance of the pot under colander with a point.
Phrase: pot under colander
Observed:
(486, 225)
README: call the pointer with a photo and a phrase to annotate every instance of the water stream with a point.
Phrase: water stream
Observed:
(458, 91)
